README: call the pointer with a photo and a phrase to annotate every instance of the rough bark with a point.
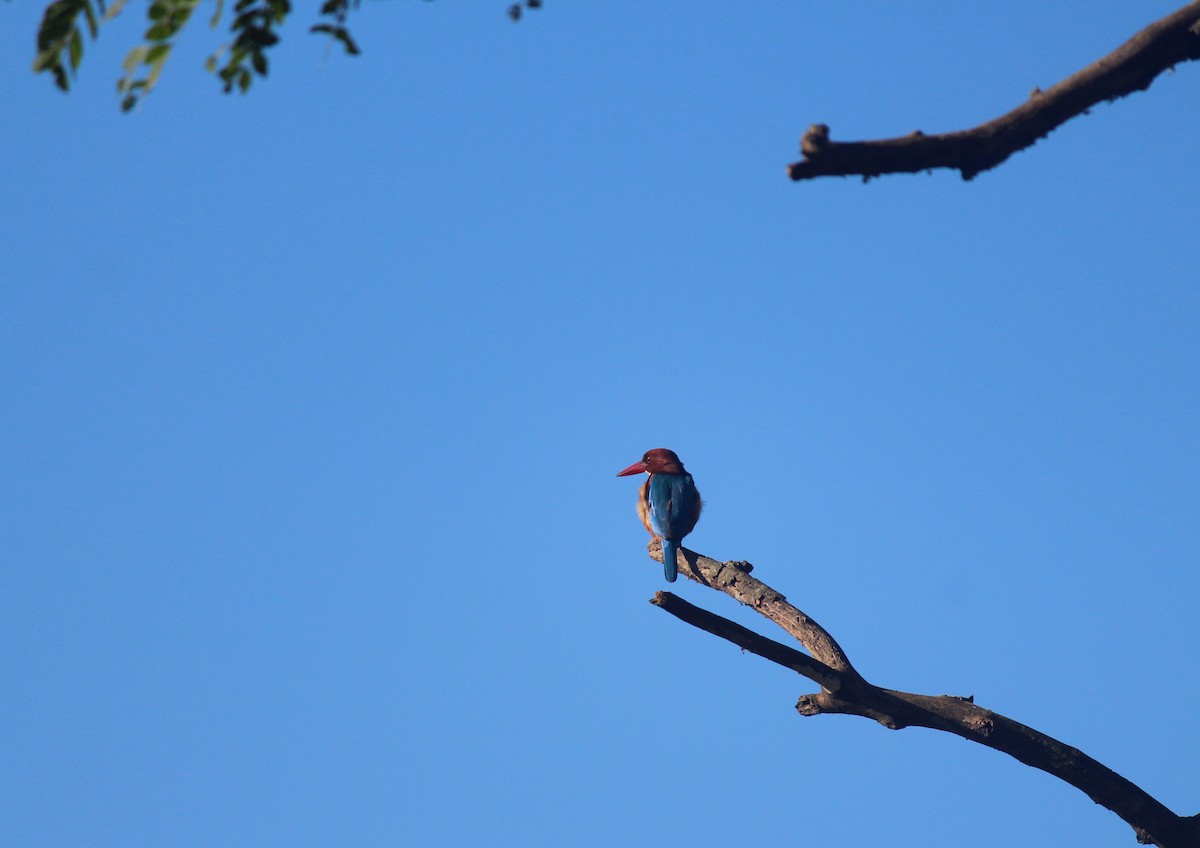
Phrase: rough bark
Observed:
(1129, 68)
(845, 691)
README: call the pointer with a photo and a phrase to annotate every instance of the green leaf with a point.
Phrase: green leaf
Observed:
(246, 20)
(213, 61)
(44, 61)
(93, 26)
(157, 53)
(134, 58)
(114, 9)
(76, 49)
(260, 37)
(156, 69)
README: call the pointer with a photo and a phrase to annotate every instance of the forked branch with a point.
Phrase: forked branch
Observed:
(845, 691)
(1129, 68)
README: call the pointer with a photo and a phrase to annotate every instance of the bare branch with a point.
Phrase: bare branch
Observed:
(748, 640)
(846, 692)
(733, 578)
(1129, 68)
(1151, 821)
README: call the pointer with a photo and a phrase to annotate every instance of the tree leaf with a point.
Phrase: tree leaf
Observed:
(114, 9)
(76, 49)
(157, 54)
(134, 58)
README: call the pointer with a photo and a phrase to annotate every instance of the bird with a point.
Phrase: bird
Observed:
(668, 502)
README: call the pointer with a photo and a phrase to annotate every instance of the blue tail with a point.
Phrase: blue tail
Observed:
(670, 569)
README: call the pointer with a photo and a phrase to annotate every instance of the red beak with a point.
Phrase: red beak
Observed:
(637, 468)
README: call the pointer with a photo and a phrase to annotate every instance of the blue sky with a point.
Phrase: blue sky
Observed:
(314, 398)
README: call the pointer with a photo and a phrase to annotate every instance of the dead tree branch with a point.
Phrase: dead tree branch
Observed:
(844, 691)
(1129, 68)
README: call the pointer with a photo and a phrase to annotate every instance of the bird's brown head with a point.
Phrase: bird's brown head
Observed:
(656, 461)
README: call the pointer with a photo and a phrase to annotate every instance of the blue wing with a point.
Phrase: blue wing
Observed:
(673, 500)
(674, 508)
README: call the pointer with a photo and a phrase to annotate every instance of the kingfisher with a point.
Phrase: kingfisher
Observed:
(668, 503)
